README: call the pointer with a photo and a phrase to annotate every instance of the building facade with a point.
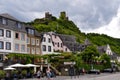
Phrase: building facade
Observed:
(33, 41)
(13, 35)
(57, 42)
(46, 44)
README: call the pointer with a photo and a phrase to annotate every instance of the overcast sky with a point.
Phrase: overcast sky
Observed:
(99, 16)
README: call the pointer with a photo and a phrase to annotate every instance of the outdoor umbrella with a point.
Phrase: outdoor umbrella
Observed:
(17, 65)
(9, 68)
(31, 65)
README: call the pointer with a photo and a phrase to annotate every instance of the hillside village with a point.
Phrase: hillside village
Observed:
(20, 38)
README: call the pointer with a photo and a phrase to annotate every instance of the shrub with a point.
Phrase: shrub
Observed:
(2, 74)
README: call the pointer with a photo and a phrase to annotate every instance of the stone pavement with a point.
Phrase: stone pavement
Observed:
(56, 78)
(108, 76)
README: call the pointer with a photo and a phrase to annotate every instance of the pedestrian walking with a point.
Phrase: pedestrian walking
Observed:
(71, 71)
(48, 74)
(38, 74)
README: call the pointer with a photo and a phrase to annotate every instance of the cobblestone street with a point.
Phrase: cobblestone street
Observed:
(106, 76)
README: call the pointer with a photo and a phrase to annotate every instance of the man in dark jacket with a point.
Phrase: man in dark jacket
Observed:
(71, 71)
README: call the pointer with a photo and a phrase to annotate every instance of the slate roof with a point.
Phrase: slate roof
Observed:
(67, 38)
(6, 15)
(102, 49)
(13, 28)
(114, 56)
(31, 27)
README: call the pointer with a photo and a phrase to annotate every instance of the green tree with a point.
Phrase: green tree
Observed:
(89, 54)
(105, 60)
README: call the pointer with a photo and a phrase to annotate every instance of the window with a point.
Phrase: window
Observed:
(37, 51)
(33, 50)
(49, 40)
(1, 32)
(58, 44)
(44, 39)
(22, 36)
(33, 41)
(28, 40)
(4, 21)
(16, 47)
(23, 48)
(17, 35)
(8, 46)
(44, 47)
(28, 50)
(49, 48)
(8, 33)
(65, 49)
(18, 25)
(1, 45)
(53, 44)
(37, 41)
(1, 57)
(30, 31)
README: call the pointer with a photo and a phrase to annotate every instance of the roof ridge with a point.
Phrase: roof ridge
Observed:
(6, 15)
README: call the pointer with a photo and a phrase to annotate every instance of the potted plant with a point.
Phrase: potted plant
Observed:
(2, 74)
(24, 73)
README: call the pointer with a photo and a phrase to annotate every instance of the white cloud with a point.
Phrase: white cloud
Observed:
(111, 29)
(87, 14)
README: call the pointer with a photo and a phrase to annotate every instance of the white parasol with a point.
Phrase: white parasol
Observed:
(31, 65)
(9, 68)
(17, 65)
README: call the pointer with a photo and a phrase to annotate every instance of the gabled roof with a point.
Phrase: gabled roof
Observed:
(67, 38)
(6, 15)
(13, 28)
(102, 49)
(114, 56)
(31, 27)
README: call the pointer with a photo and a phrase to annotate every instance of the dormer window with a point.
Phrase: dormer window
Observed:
(31, 31)
(18, 25)
(4, 21)
(44, 39)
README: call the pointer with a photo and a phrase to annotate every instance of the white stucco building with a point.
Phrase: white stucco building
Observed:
(46, 44)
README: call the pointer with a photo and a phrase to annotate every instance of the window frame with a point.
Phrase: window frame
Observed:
(7, 46)
(4, 21)
(19, 25)
(44, 39)
(18, 47)
(22, 48)
(49, 40)
(44, 47)
(2, 45)
(18, 35)
(22, 36)
(2, 32)
(9, 35)
(49, 48)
